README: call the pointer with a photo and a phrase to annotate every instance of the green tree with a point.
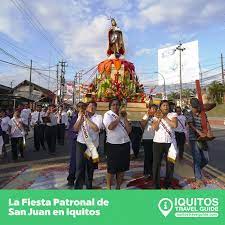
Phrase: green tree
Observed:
(216, 91)
(173, 96)
(188, 93)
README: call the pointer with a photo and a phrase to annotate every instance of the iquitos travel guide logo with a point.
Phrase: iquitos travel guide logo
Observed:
(189, 207)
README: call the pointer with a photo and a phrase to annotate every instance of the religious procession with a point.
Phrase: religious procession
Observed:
(116, 136)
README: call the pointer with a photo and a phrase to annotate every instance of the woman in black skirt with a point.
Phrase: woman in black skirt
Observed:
(117, 143)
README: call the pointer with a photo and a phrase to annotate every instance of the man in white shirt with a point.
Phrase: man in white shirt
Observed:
(147, 138)
(92, 123)
(69, 113)
(51, 129)
(180, 131)
(4, 122)
(17, 134)
(26, 116)
(62, 123)
(38, 125)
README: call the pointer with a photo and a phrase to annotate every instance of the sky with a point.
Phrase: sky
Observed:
(76, 31)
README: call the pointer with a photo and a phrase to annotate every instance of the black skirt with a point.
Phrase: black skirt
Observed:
(118, 157)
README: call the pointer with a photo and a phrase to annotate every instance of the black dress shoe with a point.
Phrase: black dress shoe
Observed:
(51, 153)
(70, 183)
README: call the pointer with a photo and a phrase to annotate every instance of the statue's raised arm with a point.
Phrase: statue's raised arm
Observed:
(115, 38)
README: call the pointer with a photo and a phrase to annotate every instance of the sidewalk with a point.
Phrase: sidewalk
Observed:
(217, 122)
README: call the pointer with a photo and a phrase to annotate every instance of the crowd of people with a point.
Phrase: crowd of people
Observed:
(163, 132)
(48, 124)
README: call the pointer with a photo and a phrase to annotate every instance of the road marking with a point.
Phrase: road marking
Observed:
(209, 169)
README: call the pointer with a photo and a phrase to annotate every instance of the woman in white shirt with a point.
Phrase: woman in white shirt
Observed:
(180, 131)
(117, 143)
(163, 124)
(88, 126)
(17, 133)
(4, 121)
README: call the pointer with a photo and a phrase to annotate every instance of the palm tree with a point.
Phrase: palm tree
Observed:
(188, 93)
(216, 91)
(173, 96)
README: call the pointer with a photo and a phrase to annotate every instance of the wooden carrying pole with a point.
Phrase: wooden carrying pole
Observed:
(205, 130)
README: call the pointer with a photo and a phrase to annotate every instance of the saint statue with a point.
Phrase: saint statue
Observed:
(115, 37)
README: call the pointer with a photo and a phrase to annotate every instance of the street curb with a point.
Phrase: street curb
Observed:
(209, 169)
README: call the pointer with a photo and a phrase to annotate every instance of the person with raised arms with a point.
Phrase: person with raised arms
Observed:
(117, 143)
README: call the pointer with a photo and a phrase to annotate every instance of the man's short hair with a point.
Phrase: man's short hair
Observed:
(93, 102)
(153, 106)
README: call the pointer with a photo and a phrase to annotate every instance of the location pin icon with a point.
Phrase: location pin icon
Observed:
(165, 206)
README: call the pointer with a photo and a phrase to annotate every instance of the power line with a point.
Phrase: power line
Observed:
(35, 24)
(20, 50)
(25, 67)
(11, 56)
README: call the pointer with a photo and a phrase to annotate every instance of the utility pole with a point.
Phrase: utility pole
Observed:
(11, 84)
(74, 88)
(164, 84)
(180, 49)
(222, 69)
(57, 83)
(62, 80)
(79, 79)
(200, 70)
(30, 79)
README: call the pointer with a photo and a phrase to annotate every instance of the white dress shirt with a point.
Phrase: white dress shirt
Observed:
(148, 131)
(97, 120)
(16, 128)
(53, 119)
(118, 135)
(181, 124)
(5, 123)
(34, 117)
(25, 115)
(64, 118)
(161, 135)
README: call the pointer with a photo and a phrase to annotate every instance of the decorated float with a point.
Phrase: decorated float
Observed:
(116, 77)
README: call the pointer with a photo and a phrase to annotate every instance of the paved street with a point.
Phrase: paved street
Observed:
(217, 150)
(30, 169)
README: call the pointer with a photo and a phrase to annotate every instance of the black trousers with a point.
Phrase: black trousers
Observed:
(135, 137)
(160, 150)
(50, 136)
(39, 136)
(17, 145)
(61, 128)
(148, 156)
(84, 168)
(72, 166)
(180, 139)
(5, 137)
